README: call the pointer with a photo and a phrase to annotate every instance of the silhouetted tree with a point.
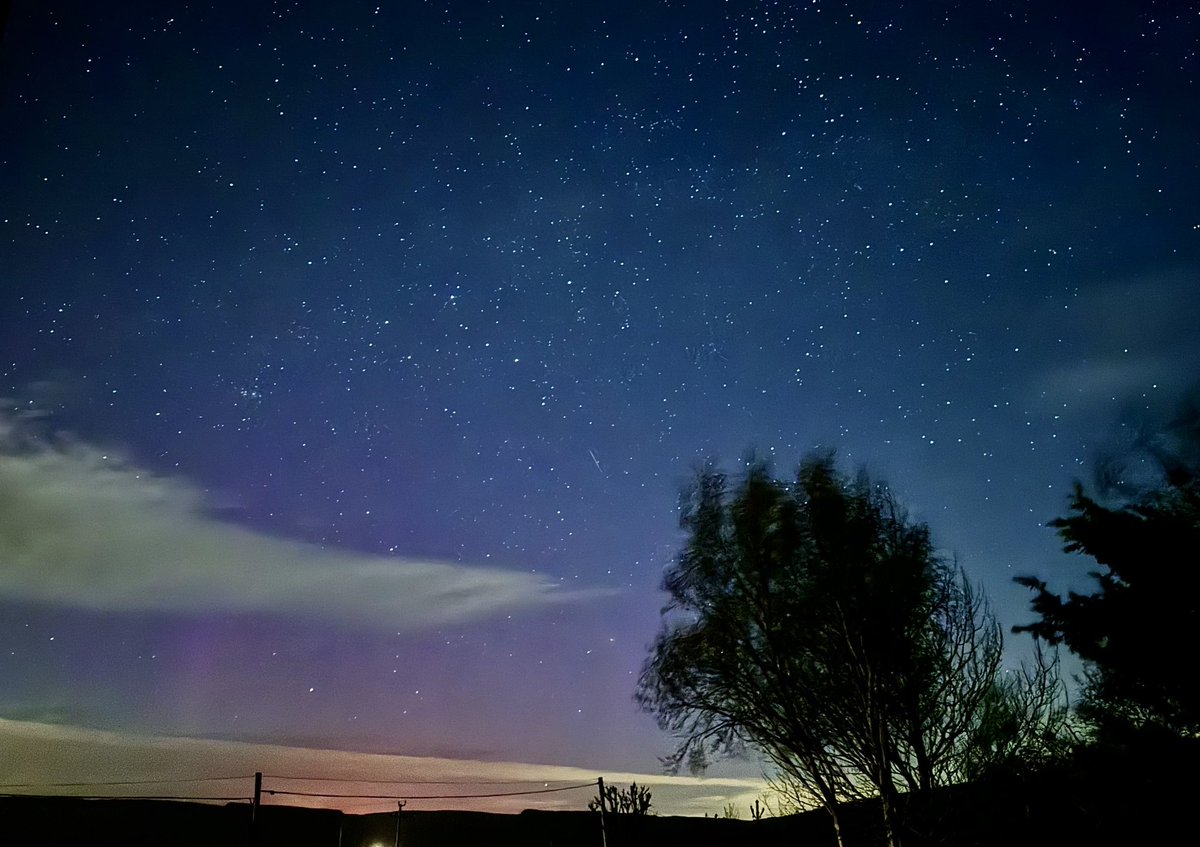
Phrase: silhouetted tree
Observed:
(634, 800)
(815, 624)
(1020, 725)
(1145, 615)
(625, 812)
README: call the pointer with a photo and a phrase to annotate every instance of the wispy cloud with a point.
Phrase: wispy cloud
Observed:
(1085, 384)
(83, 527)
(1137, 337)
(39, 755)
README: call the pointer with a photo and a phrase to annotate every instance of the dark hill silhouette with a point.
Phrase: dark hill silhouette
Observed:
(1138, 794)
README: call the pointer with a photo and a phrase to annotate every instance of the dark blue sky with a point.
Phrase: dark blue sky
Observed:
(387, 332)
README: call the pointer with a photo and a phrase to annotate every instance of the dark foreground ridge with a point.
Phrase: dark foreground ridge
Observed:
(44, 821)
(1100, 798)
(969, 816)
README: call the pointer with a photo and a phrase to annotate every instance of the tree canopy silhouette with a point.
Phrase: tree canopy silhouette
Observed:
(1145, 614)
(814, 624)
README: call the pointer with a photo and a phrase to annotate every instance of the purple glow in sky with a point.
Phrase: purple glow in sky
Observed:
(352, 354)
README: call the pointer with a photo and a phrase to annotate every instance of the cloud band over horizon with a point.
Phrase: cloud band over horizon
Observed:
(85, 528)
(42, 757)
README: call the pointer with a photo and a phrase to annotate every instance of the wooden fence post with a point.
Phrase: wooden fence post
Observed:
(603, 827)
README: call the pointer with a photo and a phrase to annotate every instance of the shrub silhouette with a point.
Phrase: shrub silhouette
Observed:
(634, 800)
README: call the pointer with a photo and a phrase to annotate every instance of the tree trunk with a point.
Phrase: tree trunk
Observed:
(837, 825)
(877, 721)
(887, 805)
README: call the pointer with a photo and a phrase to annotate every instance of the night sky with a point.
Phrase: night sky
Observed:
(352, 355)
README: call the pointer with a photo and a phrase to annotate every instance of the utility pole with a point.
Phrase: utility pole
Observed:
(254, 807)
(603, 832)
(400, 804)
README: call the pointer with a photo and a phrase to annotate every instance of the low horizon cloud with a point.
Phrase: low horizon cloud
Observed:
(45, 758)
(85, 528)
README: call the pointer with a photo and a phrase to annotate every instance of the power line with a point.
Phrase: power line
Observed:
(123, 782)
(428, 796)
(123, 797)
(414, 781)
(281, 792)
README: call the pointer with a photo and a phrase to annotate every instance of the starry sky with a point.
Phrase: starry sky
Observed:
(352, 355)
